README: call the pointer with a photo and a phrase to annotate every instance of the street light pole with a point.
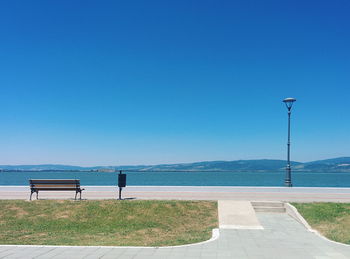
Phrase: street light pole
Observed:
(288, 181)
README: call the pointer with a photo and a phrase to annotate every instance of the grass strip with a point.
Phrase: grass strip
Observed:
(330, 219)
(106, 223)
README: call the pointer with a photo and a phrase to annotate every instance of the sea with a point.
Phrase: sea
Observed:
(299, 179)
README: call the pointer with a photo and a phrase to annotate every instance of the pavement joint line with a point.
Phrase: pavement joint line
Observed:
(59, 252)
(45, 252)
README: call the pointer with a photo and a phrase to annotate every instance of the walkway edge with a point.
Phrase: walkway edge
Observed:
(214, 236)
(294, 213)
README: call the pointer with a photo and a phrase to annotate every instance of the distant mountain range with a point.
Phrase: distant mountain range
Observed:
(341, 164)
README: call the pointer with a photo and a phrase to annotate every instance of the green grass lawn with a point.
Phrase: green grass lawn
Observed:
(330, 219)
(107, 222)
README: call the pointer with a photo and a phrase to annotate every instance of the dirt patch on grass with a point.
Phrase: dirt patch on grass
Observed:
(19, 211)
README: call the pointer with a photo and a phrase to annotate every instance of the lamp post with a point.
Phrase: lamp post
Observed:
(288, 181)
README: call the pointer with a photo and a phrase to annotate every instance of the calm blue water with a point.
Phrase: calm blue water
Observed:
(301, 179)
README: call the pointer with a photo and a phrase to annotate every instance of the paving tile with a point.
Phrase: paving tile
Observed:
(125, 257)
(7, 252)
(98, 253)
(113, 253)
(28, 252)
(50, 253)
(145, 257)
(5, 248)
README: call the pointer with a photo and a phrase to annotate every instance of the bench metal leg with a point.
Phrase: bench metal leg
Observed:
(31, 193)
(75, 195)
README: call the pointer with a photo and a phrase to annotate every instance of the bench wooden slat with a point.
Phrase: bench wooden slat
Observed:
(56, 189)
(54, 185)
(60, 181)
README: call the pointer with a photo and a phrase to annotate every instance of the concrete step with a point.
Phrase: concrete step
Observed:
(275, 207)
(270, 209)
(277, 204)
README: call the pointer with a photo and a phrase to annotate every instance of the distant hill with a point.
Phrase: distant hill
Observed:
(41, 167)
(341, 164)
(239, 165)
(334, 164)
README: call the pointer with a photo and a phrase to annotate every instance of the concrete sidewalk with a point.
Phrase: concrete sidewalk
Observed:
(295, 194)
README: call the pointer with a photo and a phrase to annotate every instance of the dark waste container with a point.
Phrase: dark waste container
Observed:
(121, 180)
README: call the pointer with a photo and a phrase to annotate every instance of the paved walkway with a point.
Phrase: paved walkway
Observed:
(237, 215)
(301, 194)
(282, 237)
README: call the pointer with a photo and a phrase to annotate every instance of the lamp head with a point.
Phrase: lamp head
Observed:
(289, 102)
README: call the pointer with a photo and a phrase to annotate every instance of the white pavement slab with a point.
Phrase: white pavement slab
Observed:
(237, 215)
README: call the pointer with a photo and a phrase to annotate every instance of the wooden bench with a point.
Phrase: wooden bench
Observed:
(37, 185)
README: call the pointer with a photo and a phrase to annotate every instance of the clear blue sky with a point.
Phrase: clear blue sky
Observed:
(148, 82)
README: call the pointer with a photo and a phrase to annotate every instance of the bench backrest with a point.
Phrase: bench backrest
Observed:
(54, 183)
